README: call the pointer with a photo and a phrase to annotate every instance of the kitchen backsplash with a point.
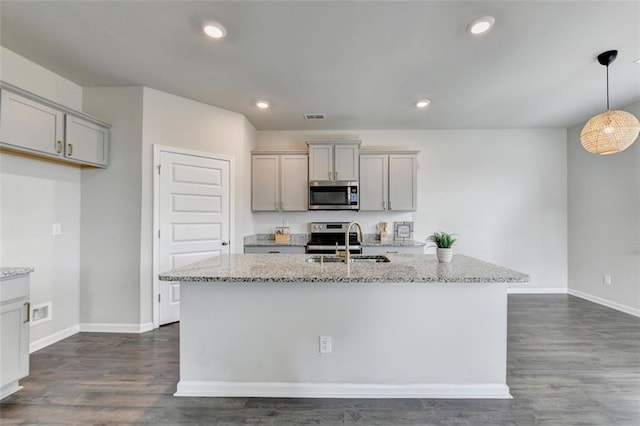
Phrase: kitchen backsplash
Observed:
(298, 222)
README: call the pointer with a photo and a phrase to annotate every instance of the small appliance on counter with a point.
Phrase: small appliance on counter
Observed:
(325, 237)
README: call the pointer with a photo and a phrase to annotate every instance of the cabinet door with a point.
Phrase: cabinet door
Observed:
(14, 342)
(373, 182)
(86, 141)
(264, 183)
(321, 162)
(29, 125)
(403, 181)
(294, 183)
(346, 160)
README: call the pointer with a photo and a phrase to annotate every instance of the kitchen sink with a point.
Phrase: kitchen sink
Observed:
(355, 258)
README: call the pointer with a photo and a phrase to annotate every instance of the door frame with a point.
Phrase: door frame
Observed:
(157, 150)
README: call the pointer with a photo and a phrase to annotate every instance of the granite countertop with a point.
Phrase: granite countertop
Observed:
(419, 268)
(371, 240)
(267, 240)
(6, 272)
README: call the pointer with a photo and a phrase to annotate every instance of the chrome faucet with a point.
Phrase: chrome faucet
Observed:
(346, 254)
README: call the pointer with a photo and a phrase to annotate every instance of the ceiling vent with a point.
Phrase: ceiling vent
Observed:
(314, 116)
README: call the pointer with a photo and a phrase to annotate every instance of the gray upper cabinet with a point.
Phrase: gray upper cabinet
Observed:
(388, 181)
(40, 127)
(334, 161)
(279, 181)
(86, 141)
(30, 125)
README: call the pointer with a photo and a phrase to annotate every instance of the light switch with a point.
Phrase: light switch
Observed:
(57, 229)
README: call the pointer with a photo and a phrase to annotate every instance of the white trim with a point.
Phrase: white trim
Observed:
(157, 149)
(116, 328)
(534, 290)
(53, 338)
(608, 303)
(342, 390)
(9, 389)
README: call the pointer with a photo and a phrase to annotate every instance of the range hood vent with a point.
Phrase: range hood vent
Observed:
(314, 116)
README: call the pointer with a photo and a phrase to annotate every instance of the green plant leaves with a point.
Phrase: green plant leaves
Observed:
(442, 239)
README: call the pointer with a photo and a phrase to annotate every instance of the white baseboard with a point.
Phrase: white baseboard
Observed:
(9, 389)
(608, 303)
(53, 338)
(535, 290)
(341, 390)
(116, 328)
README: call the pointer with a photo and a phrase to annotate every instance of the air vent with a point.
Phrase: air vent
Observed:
(314, 116)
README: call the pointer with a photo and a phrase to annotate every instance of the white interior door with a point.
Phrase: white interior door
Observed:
(194, 218)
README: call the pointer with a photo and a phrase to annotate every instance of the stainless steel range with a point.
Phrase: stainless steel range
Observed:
(324, 236)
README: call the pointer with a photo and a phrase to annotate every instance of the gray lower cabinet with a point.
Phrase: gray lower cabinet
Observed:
(14, 332)
(392, 250)
(275, 249)
(34, 125)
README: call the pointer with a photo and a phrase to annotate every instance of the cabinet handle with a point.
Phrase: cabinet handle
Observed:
(59, 147)
(274, 251)
(384, 206)
(70, 146)
(275, 206)
(335, 174)
(225, 243)
(281, 206)
(329, 175)
(389, 205)
(392, 252)
(28, 306)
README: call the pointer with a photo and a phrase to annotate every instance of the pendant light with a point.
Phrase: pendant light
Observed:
(611, 131)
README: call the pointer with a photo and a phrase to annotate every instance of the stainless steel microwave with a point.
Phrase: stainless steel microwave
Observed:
(333, 195)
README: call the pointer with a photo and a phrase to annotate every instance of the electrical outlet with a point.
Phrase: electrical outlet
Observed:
(325, 344)
(57, 229)
(606, 280)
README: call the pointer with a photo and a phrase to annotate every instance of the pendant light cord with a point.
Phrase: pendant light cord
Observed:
(607, 87)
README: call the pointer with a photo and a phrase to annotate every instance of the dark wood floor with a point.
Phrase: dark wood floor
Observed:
(570, 362)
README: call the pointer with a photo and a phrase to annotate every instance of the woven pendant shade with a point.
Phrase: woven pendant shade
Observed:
(610, 132)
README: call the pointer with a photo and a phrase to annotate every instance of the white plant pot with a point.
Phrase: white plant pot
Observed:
(444, 255)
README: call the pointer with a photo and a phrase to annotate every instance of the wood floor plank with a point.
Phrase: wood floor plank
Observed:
(570, 362)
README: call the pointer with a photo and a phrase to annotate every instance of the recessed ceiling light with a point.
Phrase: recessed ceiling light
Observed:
(423, 103)
(214, 29)
(262, 104)
(480, 26)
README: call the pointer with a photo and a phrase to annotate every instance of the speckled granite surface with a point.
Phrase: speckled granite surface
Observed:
(13, 272)
(266, 240)
(373, 240)
(419, 268)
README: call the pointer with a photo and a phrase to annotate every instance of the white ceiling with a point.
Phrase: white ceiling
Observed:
(362, 63)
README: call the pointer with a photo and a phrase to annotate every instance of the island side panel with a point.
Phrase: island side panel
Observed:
(400, 334)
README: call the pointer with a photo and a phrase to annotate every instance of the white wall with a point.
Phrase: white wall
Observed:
(503, 191)
(34, 194)
(111, 207)
(604, 223)
(30, 76)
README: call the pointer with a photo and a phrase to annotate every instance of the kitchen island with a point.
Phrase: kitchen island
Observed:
(251, 325)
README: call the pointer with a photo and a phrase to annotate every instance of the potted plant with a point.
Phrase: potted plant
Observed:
(443, 243)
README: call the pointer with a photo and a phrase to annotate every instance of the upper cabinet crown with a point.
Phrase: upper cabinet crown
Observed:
(334, 161)
(34, 125)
